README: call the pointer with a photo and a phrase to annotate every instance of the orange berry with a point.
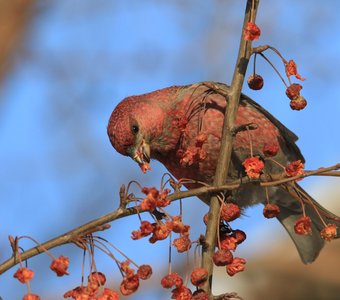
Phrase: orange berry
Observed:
(329, 232)
(60, 265)
(24, 274)
(253, 167)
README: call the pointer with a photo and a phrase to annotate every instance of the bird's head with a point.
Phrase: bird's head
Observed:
(133, 127)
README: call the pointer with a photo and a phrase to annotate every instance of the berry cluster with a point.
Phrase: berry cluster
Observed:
(94, 289)
(255, 81)
(228, 239)
(25, 275)
(197, 277)
(165, 226)
(193, 154)
(254, 167)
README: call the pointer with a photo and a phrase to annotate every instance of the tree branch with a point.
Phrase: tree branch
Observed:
(101, 223)
(223, 163)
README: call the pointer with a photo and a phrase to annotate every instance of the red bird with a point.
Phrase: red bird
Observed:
(181, 126)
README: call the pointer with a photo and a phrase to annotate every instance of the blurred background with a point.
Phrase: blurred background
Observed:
(64, 66)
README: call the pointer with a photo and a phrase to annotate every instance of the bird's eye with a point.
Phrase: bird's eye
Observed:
(134, 129)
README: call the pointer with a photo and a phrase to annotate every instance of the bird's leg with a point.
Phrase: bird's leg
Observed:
(158, 215)
(225, 228)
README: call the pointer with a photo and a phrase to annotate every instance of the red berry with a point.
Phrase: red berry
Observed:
(270, 150)
(129, 285)
(236, 266)
(76, 293)
(199, 276)
(255, 82)
(295, 168)
(293, 91)
(31, 297)
(108, 295)
(222, 257)
(252, 32)
(60, 265)
(271, 211)
(144, 272)
(200, 295)
(253, 167)
(291, 69)
(230, 212)
(178, 226)
(303, 226)
(98, 277)
(239, 235)
(229, 243)
(206, 218)
(298, 103)
(181, 293)
(171, 280)
(24, 274)
(182, 243)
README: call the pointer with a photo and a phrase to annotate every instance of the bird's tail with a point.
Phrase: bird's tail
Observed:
(290, 201)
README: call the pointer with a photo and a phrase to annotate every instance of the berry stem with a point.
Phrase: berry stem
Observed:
(105, 249)
(186, 279)
(276, 70)
(276, 162)
(303, 194)
(254, 67)
(250, 141)
(267, 195)
(170, 254)
(119, 251)
(39, 245)
(83, 268)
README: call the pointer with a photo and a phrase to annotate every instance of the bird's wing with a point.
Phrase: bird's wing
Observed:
(293, 152)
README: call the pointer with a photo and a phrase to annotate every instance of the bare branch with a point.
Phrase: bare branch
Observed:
(244, 54)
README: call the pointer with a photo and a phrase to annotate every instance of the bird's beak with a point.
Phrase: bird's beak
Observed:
(142, 153)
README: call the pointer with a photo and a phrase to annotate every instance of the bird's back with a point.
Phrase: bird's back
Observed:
(204, 110)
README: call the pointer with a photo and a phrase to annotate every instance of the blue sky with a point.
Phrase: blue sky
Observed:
(81, 58)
